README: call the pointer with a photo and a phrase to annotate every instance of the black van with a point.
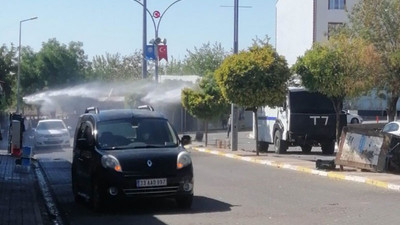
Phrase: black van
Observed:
(125, 153)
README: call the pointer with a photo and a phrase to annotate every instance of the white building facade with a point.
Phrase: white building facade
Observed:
(300, 23)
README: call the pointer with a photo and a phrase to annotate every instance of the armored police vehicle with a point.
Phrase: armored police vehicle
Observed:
(305, 119)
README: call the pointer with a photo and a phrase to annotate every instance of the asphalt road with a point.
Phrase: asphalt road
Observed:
(228, 191)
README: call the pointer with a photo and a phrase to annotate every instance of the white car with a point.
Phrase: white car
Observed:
(51, 132)
(353, 118)
(392, 128)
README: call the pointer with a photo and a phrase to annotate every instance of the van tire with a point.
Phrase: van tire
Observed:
(328, 148)
(97, 198)
(280, 145)
(75, 189)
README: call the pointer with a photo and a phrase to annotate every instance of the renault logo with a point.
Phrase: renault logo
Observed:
(149, 163)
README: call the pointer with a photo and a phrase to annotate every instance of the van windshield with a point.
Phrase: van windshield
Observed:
(135, 133)
(310, 102)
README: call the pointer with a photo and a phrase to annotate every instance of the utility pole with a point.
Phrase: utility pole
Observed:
(144, 61)
(234, 108)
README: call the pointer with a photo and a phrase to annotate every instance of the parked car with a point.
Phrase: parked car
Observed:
(392, 128)
(127, 154)
(353, 118)
(51, 132)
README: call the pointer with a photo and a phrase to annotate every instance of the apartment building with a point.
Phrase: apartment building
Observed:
(300, 23)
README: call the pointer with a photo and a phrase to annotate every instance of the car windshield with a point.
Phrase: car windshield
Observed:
(50, 125)
(135, 133)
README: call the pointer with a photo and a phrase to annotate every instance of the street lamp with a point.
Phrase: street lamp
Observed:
(19, 60)
(156, 28)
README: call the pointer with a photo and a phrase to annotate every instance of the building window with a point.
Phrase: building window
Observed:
(337, 4)
(334, 28)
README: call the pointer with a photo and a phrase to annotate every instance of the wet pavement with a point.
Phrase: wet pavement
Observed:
(219, 144)
(33, 194)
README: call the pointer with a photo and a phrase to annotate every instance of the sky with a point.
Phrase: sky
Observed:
(115, 26)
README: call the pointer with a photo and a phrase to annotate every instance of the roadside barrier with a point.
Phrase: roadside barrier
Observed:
(365, 147)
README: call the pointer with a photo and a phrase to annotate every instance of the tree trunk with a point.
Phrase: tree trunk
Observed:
(206, 132)
(256, 130)
(338, 105)
(391, 107)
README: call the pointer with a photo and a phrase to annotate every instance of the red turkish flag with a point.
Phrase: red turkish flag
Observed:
(162, 52)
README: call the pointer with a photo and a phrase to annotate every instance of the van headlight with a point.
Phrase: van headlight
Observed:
(109, 161)
(183, 160)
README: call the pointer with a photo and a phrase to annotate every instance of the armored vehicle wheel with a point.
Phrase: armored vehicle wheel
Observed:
(280, 145)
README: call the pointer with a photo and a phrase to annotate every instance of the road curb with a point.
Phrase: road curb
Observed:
(48, 195)
(280, 165)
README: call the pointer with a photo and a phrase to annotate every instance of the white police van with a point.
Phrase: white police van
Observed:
(305, 119)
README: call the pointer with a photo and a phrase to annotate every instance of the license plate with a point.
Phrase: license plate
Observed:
(151, 182)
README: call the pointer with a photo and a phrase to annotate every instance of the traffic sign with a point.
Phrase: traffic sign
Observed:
(156, 14)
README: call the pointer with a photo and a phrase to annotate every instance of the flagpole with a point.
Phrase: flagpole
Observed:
(156, 53)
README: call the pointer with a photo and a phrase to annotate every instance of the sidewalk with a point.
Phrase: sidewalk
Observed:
(21, 202)
(218, 144)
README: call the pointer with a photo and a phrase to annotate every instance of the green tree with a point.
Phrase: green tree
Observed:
(342, 67)
(254, 78)
(205, 59)
(8, 67)
(55, 65)
(114, 67)
(177, 67)
(205, 102)
(30, 75)
(379, 22)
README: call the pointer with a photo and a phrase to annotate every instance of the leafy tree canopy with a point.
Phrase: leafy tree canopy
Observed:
(206, 101)
(200, 61)
(342, 67)
(113, 67)
(379, 22)
(8, 71)
(60, 65)
(254, 78)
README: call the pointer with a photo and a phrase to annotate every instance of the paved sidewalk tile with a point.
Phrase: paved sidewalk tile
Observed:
(20, 199)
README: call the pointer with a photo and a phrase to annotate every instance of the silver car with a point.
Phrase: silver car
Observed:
(51, 132)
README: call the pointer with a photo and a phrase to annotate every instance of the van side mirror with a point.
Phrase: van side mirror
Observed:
(186, 139)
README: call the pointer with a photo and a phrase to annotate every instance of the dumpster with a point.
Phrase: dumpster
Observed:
(364, 146)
